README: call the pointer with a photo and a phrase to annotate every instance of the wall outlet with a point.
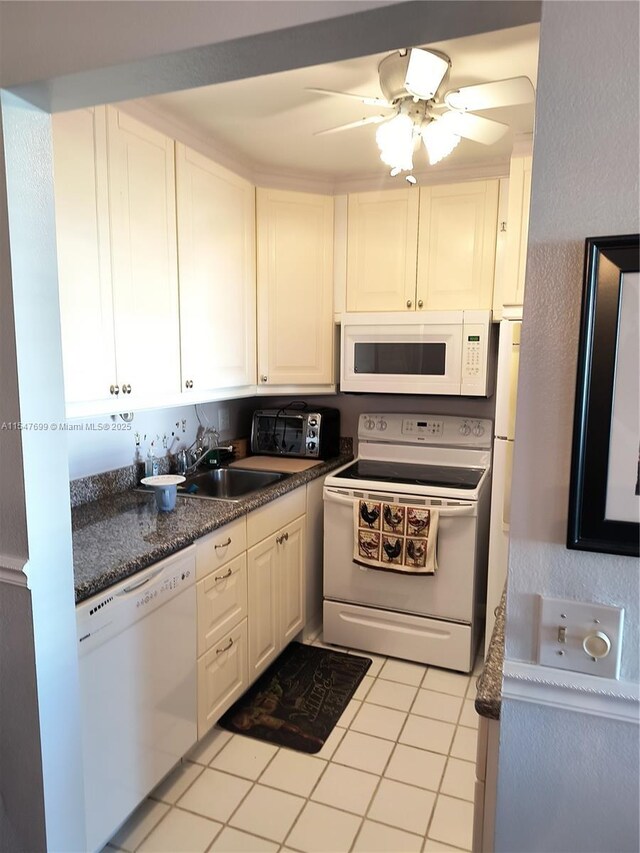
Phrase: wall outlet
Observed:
(223, 418)
(581, 636)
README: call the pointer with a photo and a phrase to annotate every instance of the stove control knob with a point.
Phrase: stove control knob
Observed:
(465, 429)
(369, 423)
(478, 430)
(382, 425)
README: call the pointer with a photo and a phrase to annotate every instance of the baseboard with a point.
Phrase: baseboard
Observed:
(572, 691)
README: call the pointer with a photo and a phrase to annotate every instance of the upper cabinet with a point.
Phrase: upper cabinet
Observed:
(115, 218)
(457, 246)
(512, 290)
(143, 259)
(295, 292)
(84, 263)
(381, 250)
(432, 249)
(216, 251)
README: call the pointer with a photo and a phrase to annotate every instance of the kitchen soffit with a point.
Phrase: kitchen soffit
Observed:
(267, 123)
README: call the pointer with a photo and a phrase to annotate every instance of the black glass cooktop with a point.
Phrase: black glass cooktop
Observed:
(413, 474)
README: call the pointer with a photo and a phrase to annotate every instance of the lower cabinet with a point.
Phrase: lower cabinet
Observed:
(276, 594)
(250, 600)
(484, 806)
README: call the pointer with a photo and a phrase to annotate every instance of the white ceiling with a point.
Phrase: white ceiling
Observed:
(268, 122)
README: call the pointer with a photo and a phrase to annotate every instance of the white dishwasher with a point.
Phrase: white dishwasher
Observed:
(137, 665)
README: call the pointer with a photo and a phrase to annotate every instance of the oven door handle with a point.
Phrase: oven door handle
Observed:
(443, 511)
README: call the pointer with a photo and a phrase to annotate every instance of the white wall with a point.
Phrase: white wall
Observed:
(569, 781)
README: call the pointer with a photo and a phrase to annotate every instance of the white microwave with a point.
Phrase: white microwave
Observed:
(410, 352)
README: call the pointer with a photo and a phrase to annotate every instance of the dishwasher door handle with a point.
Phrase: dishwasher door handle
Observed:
(138, 584)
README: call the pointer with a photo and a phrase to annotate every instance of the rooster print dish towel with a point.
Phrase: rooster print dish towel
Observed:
(395, 538)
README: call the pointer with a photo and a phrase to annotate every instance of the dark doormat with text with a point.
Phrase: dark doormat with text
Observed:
(298, 700)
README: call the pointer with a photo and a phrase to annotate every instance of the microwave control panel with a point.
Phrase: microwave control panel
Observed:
(473, 350)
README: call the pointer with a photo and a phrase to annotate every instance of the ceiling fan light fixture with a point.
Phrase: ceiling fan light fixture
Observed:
(438, 140)
(425, 73)
(395, 141)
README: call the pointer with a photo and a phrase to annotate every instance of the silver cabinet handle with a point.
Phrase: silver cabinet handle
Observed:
(409, 303)
(188, 383)
(223, 544)
(283, 538)
(263, 379)
(222, 577)
(420, 303)
(115, 389)
(286, 537)
(225, 648)
(126, 389)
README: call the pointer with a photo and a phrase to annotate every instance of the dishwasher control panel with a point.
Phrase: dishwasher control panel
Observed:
(116, 608)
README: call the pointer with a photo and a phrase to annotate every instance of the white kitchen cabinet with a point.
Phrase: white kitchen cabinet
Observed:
(511, 291)
(115, 211)
(84, 264)
(276, 579)
(295, 292)
(484, 804)
(457, 245)
(143, 260)
(216, 263)
(222, 676)
(381, 250)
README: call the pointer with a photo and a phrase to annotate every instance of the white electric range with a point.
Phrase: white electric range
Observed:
(439, 462)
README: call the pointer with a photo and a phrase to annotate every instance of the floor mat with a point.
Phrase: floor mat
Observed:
(298, 700)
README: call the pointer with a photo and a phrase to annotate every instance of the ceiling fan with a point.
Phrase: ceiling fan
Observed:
(413, 83)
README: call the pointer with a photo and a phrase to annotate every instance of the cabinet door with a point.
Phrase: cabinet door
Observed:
(264, 634)
(381, 250)
(517, 229)
(291, 579)
(216, 252)
(222, 677)
(457, 245)
(295, 288)
(143, 259)
(84, 271)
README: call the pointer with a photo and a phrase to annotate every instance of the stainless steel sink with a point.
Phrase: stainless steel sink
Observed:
(228, 484)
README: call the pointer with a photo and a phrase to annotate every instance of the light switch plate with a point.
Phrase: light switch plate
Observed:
(572, 635)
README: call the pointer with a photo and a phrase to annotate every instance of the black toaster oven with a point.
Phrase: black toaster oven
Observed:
(306, 433)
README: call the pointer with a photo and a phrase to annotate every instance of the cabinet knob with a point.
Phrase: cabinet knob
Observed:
(188, 383)
(420, 303)
(263, 379)
(409, 303)
(115, 389)
(126, 389)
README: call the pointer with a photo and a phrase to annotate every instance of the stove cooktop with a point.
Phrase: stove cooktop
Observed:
(413, 474)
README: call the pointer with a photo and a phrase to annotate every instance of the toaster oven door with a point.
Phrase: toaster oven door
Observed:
(279, 433)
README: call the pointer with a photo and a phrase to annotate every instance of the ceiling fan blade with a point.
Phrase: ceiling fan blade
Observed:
(372, 102)
(477, 128)
(352, 124)
(487, 96)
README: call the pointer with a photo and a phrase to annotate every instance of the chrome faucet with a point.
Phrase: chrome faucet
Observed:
(205, 441)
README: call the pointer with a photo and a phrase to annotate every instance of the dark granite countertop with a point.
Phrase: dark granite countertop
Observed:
(489, 695)
(117, 536)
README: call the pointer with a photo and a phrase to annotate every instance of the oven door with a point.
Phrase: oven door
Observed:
(449, 594)
(402, 353)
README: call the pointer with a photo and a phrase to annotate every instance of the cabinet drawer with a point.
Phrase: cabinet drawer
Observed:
(271, 517)
(216, 549)
(222, 602)
(222, 677)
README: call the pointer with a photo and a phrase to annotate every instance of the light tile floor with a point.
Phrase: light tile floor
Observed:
(396, 775)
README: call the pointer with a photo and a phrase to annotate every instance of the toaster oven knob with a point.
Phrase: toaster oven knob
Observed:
(312, 433)
(311, 445)
(313, 422)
